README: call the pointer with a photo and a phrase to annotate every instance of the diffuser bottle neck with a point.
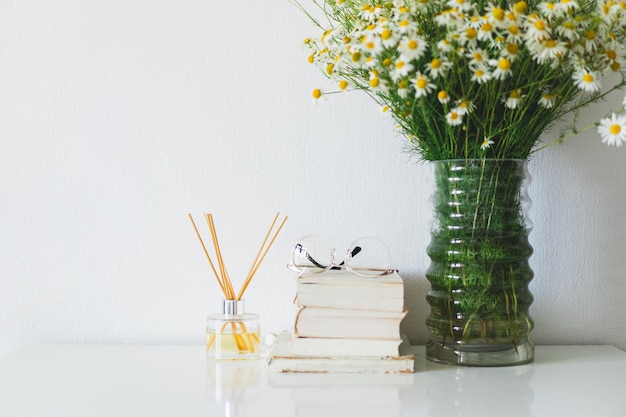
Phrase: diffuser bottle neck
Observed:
(233, 307)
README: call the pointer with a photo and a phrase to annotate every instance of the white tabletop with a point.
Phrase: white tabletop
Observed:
(128, 380)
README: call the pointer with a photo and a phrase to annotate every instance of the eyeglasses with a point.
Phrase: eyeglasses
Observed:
(366, 257)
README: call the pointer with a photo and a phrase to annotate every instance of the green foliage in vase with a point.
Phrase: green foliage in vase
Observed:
(479, 252)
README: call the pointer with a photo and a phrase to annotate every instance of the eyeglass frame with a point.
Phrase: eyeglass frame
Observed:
(343, 265)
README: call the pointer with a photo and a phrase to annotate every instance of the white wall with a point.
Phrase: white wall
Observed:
(117, 118)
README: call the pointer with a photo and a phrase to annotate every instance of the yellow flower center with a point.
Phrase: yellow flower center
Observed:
(403, 23)
(514, 29)
(504, 64)
(399, 64)
(374, 82)
(330, 68)
(356, 56)
(615, 129)
(487, 27)
(512, 48)
(569, 25)
(387, 62)
(515, 94)
(311, 58)
(479, 73)
(454, 115)
(421, 83)
(471, 33)
(317, 93)
(478, 57)
(590, 34)
(402, 84)
(551, 43)
(498, 13)
(520, 7)
(442, 95)
(435, 63)
(588, 78)
(343, 84)
(540, 25)
(615, 66)
(412, 44)
(386, 34)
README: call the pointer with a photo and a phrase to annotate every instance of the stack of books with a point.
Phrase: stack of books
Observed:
(345, 323)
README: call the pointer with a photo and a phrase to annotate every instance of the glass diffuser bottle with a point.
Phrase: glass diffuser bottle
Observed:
(233, 334)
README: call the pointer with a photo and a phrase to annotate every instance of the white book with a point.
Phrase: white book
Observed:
(282, 359)
(348, 324)
(316, 346)
(341, 289)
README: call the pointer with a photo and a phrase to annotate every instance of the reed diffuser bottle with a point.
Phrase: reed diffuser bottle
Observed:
(233, 334)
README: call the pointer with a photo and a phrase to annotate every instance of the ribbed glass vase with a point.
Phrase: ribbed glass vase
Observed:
(479, 272)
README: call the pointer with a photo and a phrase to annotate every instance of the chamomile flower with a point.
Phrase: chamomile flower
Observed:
(486, 143)
(549, 50)
(551, 10)
(513, 33)
(376, 84)
(567, 30)
(586, 80)
(344, 84)
(370, 13)
(422, 85)
(412, 47)
(510, 51)
(389, 37)
(405, 26)
(546, 100)
(496, 15)
(502, 68)
(469, 36)
(444, 98)
(568, 5)
(613, 130)
(590, 40)
(481, 75)
(454, 118)
(465, 107)
(537, 28)
(438, 67)
(486, 31)
(463, 5)
(478, 57)
(444, 45)
(403, 88)
(318, 95)
(401, 69)
(449, 18)
(514, 99)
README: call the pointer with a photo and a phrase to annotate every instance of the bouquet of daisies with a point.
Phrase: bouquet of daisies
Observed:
(476, 78)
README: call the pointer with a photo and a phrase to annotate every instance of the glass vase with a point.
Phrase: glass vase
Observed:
(479, 272)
